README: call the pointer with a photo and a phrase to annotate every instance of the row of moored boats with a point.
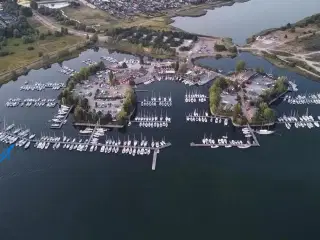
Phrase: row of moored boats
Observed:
(42, 86)
(15, 102)
(195, 96)
(60, 118)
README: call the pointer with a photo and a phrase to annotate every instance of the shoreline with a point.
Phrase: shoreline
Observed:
(73, 52)
(284, 65)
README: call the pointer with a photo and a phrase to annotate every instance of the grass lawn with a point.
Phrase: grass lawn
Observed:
(157, 23)
(103, 20)
(90, 17)
(21, 56)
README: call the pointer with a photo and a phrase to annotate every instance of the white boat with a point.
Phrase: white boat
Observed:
(243, 146)
(264, 132)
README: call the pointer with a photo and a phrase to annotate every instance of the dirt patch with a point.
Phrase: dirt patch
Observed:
(298, 40)
(89, 16)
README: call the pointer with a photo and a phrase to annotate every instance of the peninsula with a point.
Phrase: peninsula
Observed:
(295, 46)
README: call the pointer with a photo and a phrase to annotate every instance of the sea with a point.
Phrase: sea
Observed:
(266, 192)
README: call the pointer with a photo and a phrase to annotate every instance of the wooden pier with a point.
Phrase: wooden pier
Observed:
(156, 150)
(96, 125)
(253, 136)
(154, 159)
(255, 143)
(135, 121)
(62, 121)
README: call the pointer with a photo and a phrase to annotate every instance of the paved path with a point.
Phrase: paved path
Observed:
(298, 56)
(56, 27)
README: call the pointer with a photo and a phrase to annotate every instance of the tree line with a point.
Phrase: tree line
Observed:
(58, 16)
(19, 26)
(150, 38)
(215, 91)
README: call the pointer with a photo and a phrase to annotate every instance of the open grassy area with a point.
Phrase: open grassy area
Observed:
(157, 23)
(91, 17)
(102, 20)
(20, 56)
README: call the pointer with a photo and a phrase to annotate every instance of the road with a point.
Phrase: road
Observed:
(298, 56)
(56, 27)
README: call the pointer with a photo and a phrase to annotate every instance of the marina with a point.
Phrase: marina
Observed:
(67, 71)
(157, 101)
(37, 86)
(61, 118)
(151, 120)
(128, 146)
(303, 121)
(31, 102)
(224, 141)
(312, 98)
(195, 96)
(204, 117)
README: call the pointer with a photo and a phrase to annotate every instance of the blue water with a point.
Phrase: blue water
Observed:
(271, 192)
(242, 20)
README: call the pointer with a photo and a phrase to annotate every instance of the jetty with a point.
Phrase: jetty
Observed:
(75, 145)
(254, 143)
(63, 120)
(97, 125)
(255, 140)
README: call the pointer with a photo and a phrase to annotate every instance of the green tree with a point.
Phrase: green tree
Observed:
(121, 115)
(34, 5)
(78, 112)
(268, 114)
(63, 101)
(240, 66)
(94, 38)
(236, 111)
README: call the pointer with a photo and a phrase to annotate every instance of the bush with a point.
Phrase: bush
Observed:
(218, 56)
(219, 47)
(40, 54)
(30, 48)
(4, 53)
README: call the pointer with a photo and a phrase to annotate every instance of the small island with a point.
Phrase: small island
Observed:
(245, 96)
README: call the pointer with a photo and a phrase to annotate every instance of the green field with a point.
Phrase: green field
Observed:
(20, 55)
